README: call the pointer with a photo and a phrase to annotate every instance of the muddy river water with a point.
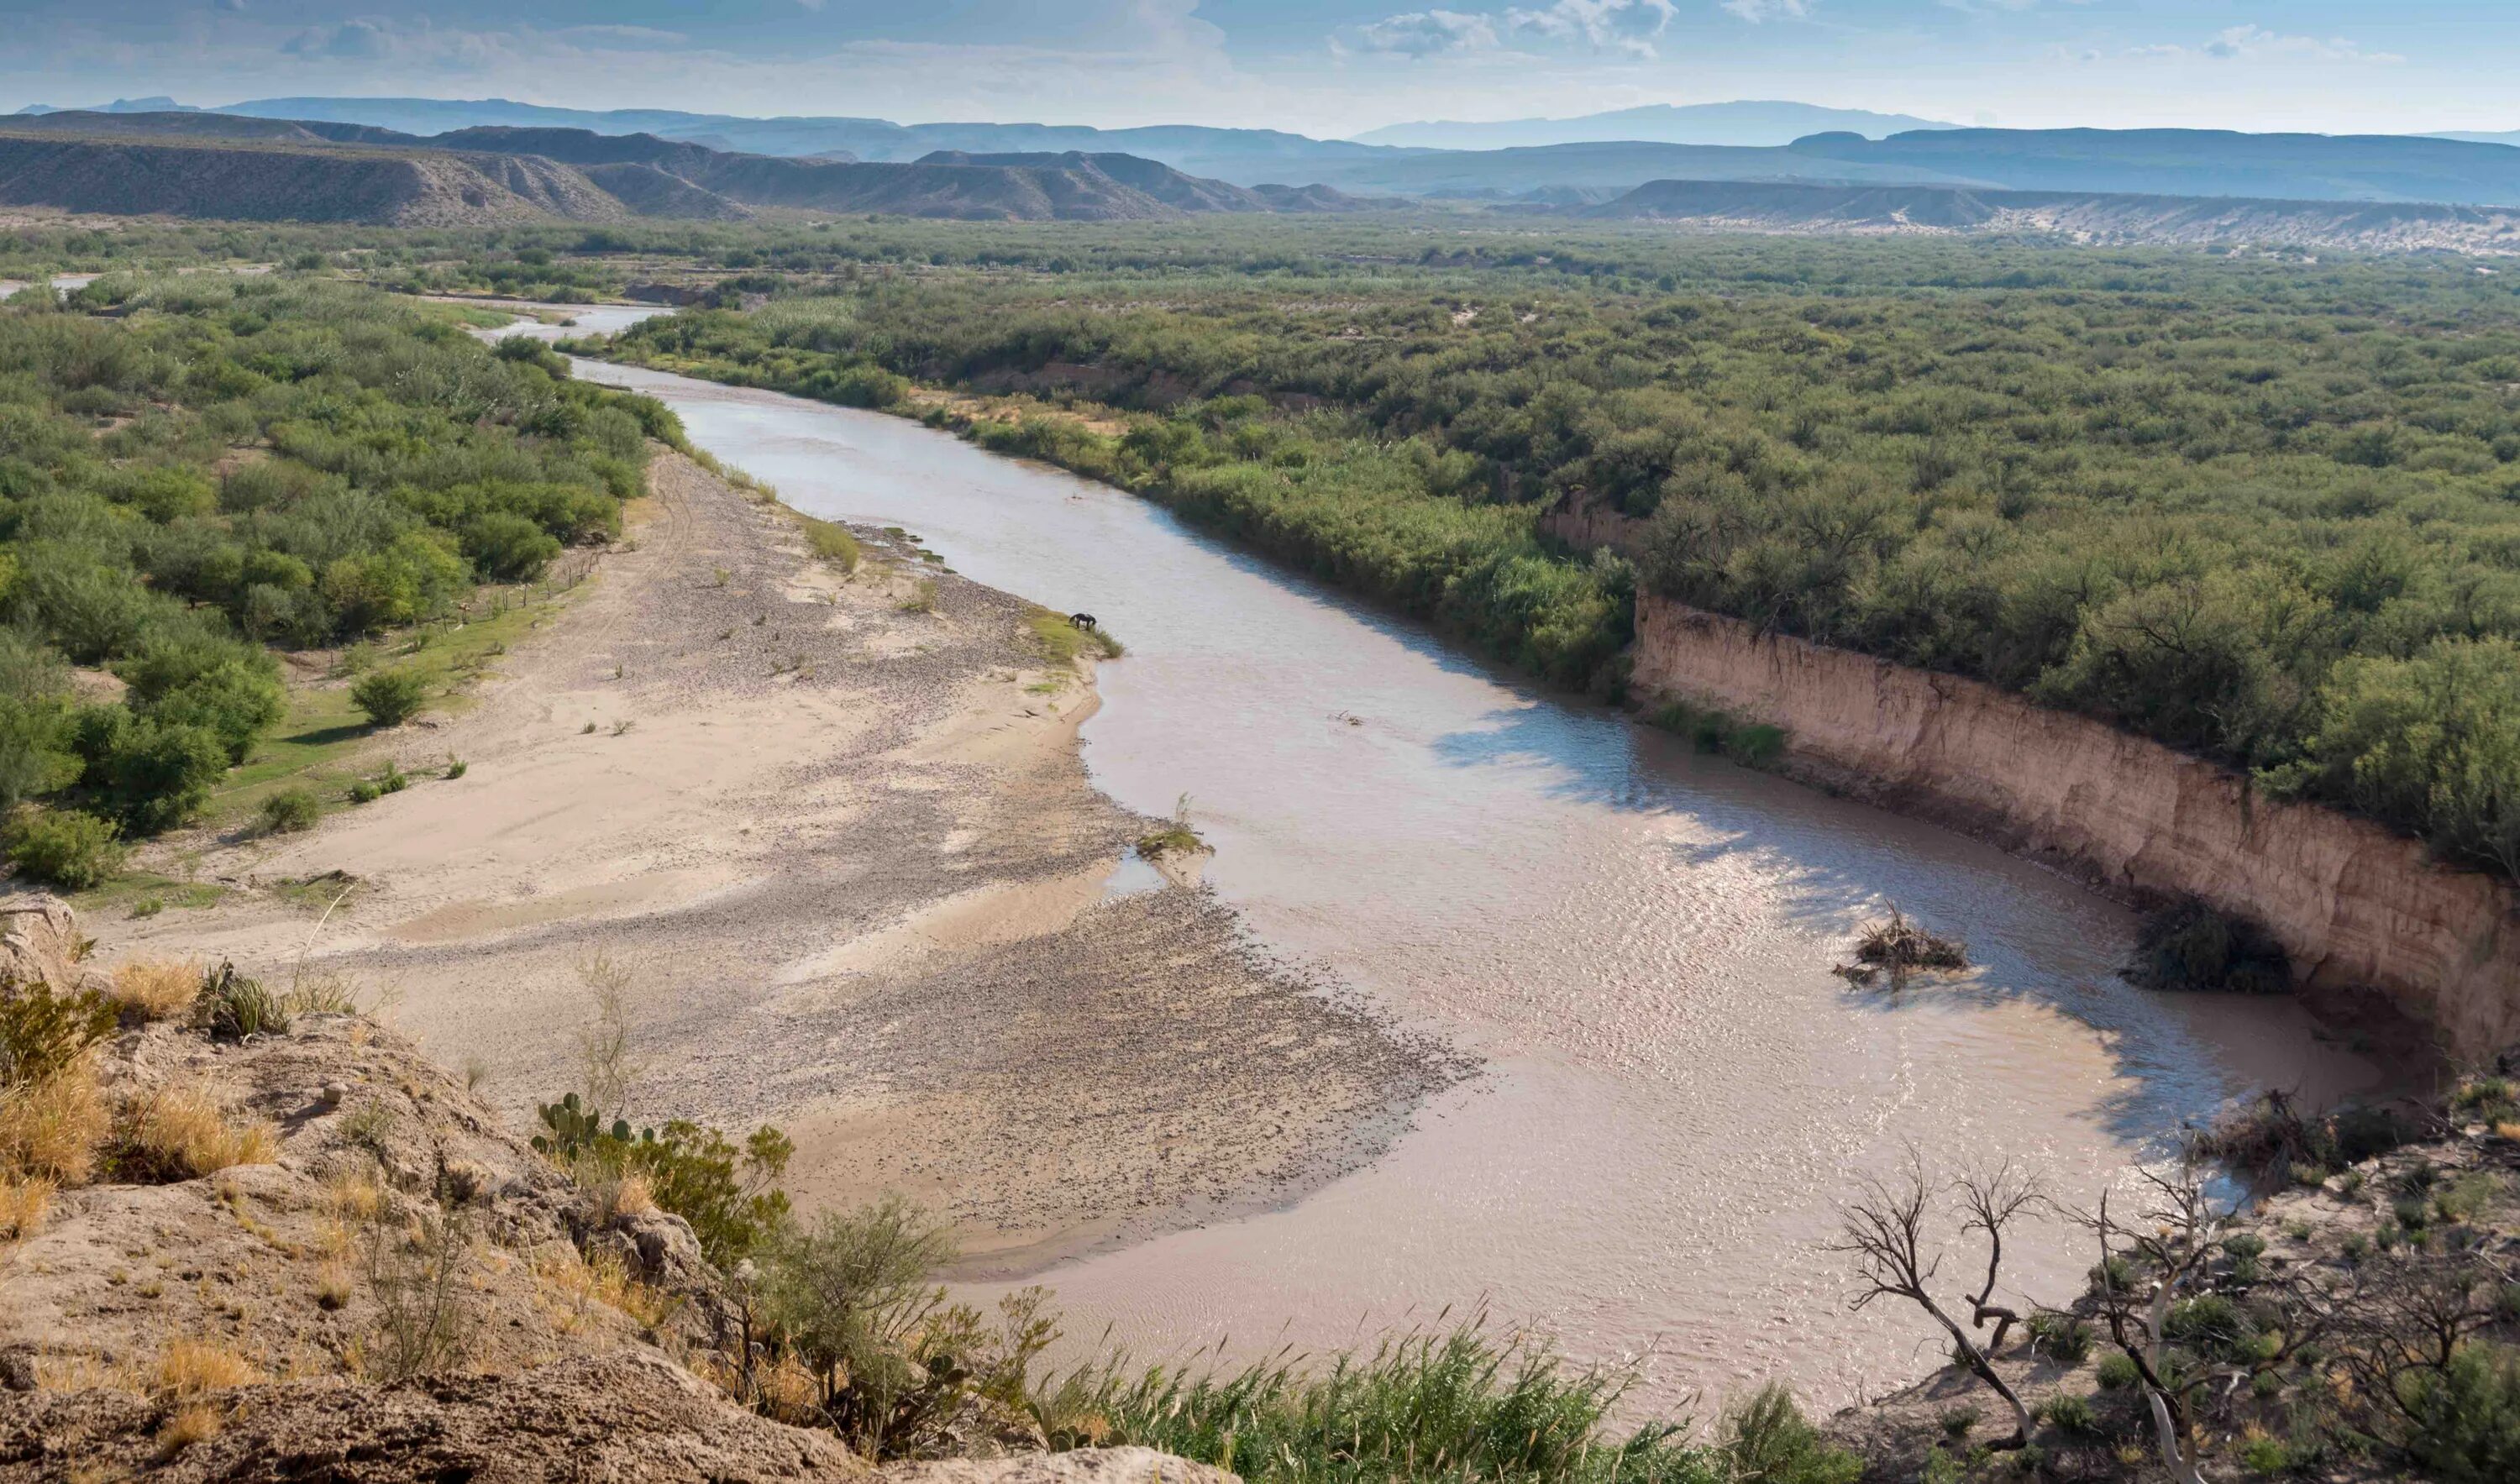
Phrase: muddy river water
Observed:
(1634, 940)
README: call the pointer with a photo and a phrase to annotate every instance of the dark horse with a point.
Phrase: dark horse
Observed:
(1081, 620)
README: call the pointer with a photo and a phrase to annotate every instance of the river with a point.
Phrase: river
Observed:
(1633, 938)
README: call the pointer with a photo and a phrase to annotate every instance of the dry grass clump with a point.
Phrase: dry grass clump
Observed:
(24, 1200)
(578, 1284)
(187, 1369)
(181, 1132)
(187, 1426)
(632, 1197)
(51, 1129)
(156, 989)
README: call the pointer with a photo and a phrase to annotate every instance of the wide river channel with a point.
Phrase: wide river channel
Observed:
(1634, 940)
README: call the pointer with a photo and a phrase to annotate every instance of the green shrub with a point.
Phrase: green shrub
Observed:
(2072, 1416)
(2210, 1322)
(1755, 744)
(233, 1006)
(290, 811)
(1768, 1438)
(730, 1195)
(63, 846)
(2189, 946)
(845, 1296)
(390, 697)
(832, 542)
(2060, 1335)
(41, 1032)
(2117, 1372)
(363, 792)
(506, 547)
(150, 773)
(2467, 1418)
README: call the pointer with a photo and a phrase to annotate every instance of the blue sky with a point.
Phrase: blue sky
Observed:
(1320, 67)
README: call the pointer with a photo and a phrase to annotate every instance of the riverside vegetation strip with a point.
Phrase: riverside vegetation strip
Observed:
(2255, 509)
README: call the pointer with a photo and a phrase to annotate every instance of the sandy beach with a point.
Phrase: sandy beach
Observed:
(833, 836)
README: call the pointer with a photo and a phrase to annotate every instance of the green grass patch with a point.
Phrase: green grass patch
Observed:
(1466, 1405)
(1062, 641)
(832, 542)
(134, 890)
(1752, 744)
(324, 735)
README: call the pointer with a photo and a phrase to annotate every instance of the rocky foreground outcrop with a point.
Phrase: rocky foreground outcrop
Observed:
(308, 1252)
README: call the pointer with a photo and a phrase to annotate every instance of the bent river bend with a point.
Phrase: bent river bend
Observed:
(1634, 939)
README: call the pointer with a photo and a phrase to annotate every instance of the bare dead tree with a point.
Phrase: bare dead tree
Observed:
(2166, 1252)
(1885, 1234)
(1993, 1199)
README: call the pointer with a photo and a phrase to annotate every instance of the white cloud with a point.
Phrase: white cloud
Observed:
(2256, 43)
(1758, 11)
(1629, 26)
(1624, 26)
(1428, 34)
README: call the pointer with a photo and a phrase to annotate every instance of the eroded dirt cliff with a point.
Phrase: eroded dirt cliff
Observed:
(2359, 907)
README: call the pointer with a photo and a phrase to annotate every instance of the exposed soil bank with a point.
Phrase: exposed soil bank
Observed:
(834, 833)
(2357, 908)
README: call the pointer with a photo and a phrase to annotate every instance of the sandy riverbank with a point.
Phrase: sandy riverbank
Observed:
(847, 855)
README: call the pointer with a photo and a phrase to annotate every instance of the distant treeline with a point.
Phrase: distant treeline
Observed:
(2268, 511)
(230, 463)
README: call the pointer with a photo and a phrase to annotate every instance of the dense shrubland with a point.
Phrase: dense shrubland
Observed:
(226, 465)
(2264, 511)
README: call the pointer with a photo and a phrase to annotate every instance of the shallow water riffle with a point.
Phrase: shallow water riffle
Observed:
(1635, 939)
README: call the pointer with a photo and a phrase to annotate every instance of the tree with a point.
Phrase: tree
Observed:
(2169, 1247)
(1885, 1233)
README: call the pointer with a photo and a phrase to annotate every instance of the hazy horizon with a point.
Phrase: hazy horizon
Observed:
(1330, 69)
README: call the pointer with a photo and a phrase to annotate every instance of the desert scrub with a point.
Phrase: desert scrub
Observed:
(2189, 945)
(290, 811)
(180, 1131)
(830, 541)
(730, 1195)
(390, 697)
(65, 847)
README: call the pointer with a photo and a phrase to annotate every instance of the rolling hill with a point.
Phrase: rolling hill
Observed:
(209, 164)
(255, 181)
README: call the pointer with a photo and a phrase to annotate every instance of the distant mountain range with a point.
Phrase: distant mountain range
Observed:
(1245, 156)
(1531, 159)
(2193, 162)
(1750, 124)
(195, 163)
